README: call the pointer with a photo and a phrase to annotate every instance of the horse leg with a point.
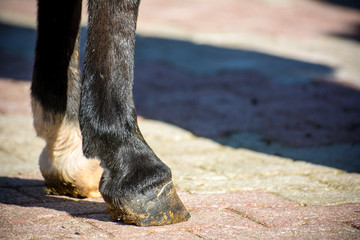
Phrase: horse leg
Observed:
(136, 185)
(55, 95)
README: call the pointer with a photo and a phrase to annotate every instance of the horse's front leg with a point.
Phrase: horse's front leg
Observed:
(136, 185)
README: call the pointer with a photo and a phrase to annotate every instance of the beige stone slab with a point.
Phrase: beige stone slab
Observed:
(200, 165)
(339, 181)
(244, 163)
(194, 145)
(19, 146)
(154, 130)
(273, 184)
(320, 197)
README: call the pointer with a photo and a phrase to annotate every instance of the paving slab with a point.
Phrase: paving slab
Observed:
(296, 216)
(56, 228)
(309, 231)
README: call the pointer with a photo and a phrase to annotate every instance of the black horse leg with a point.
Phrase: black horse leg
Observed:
(136, 185)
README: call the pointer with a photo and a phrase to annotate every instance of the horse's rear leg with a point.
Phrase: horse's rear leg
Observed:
(55, 94)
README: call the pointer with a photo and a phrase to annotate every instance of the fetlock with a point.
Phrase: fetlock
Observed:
(65, 170)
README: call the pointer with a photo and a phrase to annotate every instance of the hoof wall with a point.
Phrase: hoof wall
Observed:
(155, 207)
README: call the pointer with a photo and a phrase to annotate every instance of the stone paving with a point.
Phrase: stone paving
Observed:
(255, 110)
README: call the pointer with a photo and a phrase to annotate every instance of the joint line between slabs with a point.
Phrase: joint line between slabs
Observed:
(246, 216)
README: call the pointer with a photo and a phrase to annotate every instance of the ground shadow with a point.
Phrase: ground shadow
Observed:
(355, 4)
(250, 99)
(352, 33)
(236, 97)
(31, 193)
(17, 46)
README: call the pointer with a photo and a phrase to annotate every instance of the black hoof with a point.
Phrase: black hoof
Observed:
(154, 207)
